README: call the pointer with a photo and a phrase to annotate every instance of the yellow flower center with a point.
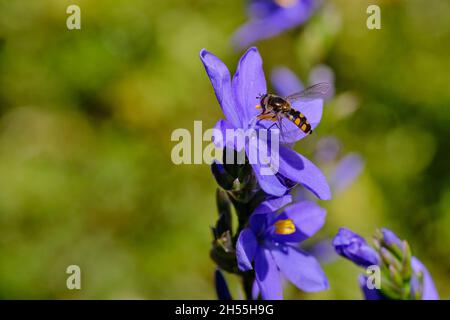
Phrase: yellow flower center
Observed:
(284, 227)
(286, 3)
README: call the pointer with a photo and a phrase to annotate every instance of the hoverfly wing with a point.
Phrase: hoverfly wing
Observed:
(317, 91)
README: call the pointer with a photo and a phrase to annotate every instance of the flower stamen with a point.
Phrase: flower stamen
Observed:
(286, 3)
(284, 227)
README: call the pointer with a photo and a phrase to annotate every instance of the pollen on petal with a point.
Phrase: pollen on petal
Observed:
(284, 227)
(286, 3)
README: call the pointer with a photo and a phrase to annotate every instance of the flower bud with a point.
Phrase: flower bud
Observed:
(223, 293)
(223, 178)
(355, 248)
(223, 223)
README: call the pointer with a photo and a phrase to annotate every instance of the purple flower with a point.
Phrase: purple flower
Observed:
(391, 238)
(352, 246)
(267, 245)
(238, 98)
(407, 277)
(345, 172)
(268, 18)
(429, 291)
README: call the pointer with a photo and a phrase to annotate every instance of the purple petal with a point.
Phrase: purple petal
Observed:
(285, 82)
(391, 238)
(429, 289)
(327, 149)
(273, 204)
(269, 183)
(267, 275)
(260, 8)
(245, 249)
(303, 270)
(353, 247)
(219, 134)
(299, 169)
(323, 73)
(255, 290)
(258, 222)
(248, 83)
(308, 218)
(221, 81)
(347, 170)
(279, 19)
(369, 294)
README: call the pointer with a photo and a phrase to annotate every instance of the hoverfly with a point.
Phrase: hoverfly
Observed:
(275, 108)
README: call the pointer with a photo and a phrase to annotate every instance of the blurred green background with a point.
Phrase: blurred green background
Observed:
(86, 117)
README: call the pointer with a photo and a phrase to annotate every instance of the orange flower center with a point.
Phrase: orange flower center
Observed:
(286, 3)
(284, 227)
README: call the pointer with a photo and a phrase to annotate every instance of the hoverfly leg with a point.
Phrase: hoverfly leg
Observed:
(276, 120)
(277, 124)
(266, 116)
(280, 121)
(274, 124)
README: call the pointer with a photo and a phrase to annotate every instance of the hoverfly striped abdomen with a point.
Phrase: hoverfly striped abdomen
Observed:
(275, 106)
(300, 120)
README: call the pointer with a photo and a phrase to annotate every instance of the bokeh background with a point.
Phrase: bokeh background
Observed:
(86, 117)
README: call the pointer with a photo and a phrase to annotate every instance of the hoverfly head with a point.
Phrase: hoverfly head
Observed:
(262, 99)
